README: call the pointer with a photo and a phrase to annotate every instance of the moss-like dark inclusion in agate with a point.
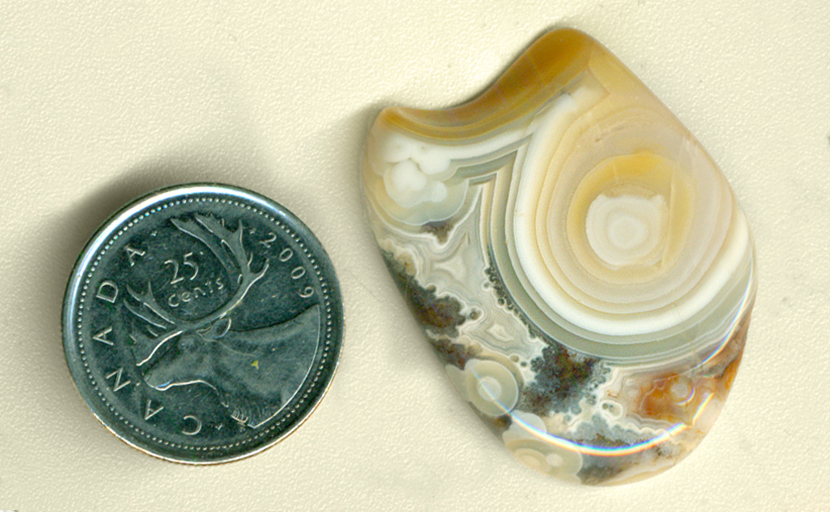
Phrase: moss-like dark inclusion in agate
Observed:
(563, 377)
(442, 316)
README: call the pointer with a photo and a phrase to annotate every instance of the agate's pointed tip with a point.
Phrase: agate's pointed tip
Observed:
(549, 64)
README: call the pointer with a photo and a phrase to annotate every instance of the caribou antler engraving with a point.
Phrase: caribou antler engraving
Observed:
(227, 246)
(255, 372)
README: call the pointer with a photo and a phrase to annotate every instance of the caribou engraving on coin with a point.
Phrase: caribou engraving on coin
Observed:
(208, 351)
(202, 323)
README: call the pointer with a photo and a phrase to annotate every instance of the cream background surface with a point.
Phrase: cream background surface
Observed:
(103, 101)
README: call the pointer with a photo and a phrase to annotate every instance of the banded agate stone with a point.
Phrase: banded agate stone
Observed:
(579, 263)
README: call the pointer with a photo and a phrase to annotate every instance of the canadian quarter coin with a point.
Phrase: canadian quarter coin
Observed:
(202, 323)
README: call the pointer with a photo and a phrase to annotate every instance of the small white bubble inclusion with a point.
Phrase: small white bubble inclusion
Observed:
(489, 388)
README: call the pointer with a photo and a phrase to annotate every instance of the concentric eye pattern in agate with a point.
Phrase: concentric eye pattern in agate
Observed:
(578, 262)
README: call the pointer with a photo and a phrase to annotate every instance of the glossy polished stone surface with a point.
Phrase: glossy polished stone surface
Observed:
(576, 259)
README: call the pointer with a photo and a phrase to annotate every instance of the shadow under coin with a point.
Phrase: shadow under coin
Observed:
(61, 238)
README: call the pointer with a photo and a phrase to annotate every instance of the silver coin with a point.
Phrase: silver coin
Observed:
(202, 323)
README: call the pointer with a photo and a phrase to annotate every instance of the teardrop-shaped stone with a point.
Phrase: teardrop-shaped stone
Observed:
(578, 262)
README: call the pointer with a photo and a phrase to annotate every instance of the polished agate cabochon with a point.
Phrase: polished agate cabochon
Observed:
(577, 260)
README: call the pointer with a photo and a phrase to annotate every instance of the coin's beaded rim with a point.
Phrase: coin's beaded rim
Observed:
(291, 415)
